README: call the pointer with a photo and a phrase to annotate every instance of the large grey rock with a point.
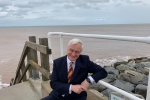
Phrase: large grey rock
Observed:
(144, 81)
(131, 63)
(137, 60)
(115, 71)
(124, 85)
(141, 89)
(109, 79)
(145, 64)
(124, 77)
(145, 71)
(131, 76)
(139, 68)
(119, 63)
(134, 76)
(112, 70)
(123, 67)
(107, 92)
(112, 77)
(99, 87)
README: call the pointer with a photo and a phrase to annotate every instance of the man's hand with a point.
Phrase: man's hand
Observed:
(85, 84)
(77, 88)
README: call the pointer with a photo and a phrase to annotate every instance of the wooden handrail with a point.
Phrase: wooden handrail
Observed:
(38, 47)
(39, 68)
(36, 66)
(24, 53)
(30, 45)
(24, 72)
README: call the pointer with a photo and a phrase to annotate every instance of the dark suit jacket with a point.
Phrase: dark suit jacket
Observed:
(59, 81)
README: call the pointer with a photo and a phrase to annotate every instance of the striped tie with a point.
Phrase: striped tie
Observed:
(70, 72)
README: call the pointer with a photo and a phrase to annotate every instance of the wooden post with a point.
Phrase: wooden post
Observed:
(32, 55)
(29, 58)
(44, 57)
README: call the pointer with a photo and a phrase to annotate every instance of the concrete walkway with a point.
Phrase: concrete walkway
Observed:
(22, 91)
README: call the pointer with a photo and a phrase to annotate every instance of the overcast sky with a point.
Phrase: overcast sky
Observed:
(73, 12)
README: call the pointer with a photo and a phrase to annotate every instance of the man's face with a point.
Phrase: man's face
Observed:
(73, 51)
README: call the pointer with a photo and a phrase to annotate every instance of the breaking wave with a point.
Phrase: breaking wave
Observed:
(111, 61)
(2, 85)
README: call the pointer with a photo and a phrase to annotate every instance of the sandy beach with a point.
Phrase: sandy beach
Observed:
(12, 40)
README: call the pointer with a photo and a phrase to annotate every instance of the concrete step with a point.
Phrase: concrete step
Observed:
(92, 94)
(45, 88)
(37, 89)
(22, 91)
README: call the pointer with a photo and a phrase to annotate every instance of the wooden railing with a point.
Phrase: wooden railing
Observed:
(30, 57)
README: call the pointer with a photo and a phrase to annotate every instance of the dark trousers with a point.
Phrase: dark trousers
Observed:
(52, 97)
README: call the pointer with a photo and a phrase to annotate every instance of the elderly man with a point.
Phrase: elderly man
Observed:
(70, 79)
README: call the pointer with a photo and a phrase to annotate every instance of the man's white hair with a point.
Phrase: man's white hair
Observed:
(76, 41)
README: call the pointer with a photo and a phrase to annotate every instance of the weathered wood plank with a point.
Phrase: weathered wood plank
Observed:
(38, 67)
(40, 48)
(24, 72)
(29, 58)
(33, 56)
(19, 75)
(22, 69)
(23, 55)
(44, 57)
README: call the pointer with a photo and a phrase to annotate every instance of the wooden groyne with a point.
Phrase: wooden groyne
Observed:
(31, 65)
